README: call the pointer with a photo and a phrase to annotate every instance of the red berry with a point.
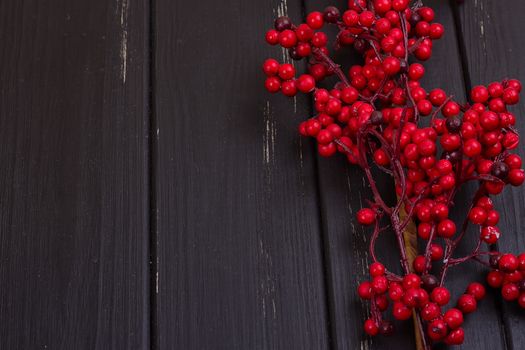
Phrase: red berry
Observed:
(437, 330)
(510, 96)
(371, 327)
(273, 84)
(416, 71)
(440, 296)
(395, 291)
(381, 158)
(471, 148)
(366, 216)
(272, 37)
(411, 281)
(399, 5)
(379, 284)
(364, 290)
(516, 177)
(477, 290)
(450, 109)
(437, 97)
(401, 311)
(510, 292)
(419, 264)
(446, 228)
(508, 263)
(270, 67)
(377, 269)
(489, 121)
(350, 18)
(391, 65)
(479, 94)
(304, 32)
(436, 31)
(430, 312)
(286, 71)
(313, 126)
(436, 252)
(495, 279)
(455, 337)
(467, 303)
(315, 20)
(287, 38)
(327, 150)
(305, 83)
(453, 318)
(477, 215)
(366, 18)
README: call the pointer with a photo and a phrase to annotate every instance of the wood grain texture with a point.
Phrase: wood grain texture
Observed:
(73, 201)
(493, 45)
(239, 248)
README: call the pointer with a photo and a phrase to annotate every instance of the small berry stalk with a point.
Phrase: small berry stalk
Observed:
(375, 117)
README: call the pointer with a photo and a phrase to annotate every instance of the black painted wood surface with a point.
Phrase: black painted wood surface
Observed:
(154, 196)
(74, 185)
(240, 264)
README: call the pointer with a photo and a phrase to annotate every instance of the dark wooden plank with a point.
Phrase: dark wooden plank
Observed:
(240, 262)
(73, 208)
(493, 36)
(343, 190)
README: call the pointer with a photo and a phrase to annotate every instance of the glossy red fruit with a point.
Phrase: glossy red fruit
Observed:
(467, 303)
(305, 83)
(286, 71)
(440, 296)
(379, 284)
(495, 279)
(430, 312)
(411, 281)
(479, 94)
(364, 290)
(437, 330)
(453, 318)
(446, 228)
(366, 216)
(371, 328)
(401, 312)
(516, 177)
(477, 215)
(315, 20)
(377, 269)
(272, 84)
(391, 65)
(477, 290)
(510, 292)
(508, 263)
(455, 337)
(419, 264)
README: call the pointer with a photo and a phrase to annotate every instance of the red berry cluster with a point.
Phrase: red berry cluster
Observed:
(421, 294)
(374, 117)
(509, 275)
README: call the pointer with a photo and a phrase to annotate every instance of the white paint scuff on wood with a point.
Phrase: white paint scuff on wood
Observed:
(124, 9)
(269, 135)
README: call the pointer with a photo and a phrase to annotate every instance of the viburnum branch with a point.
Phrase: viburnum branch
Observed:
(373, 117)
